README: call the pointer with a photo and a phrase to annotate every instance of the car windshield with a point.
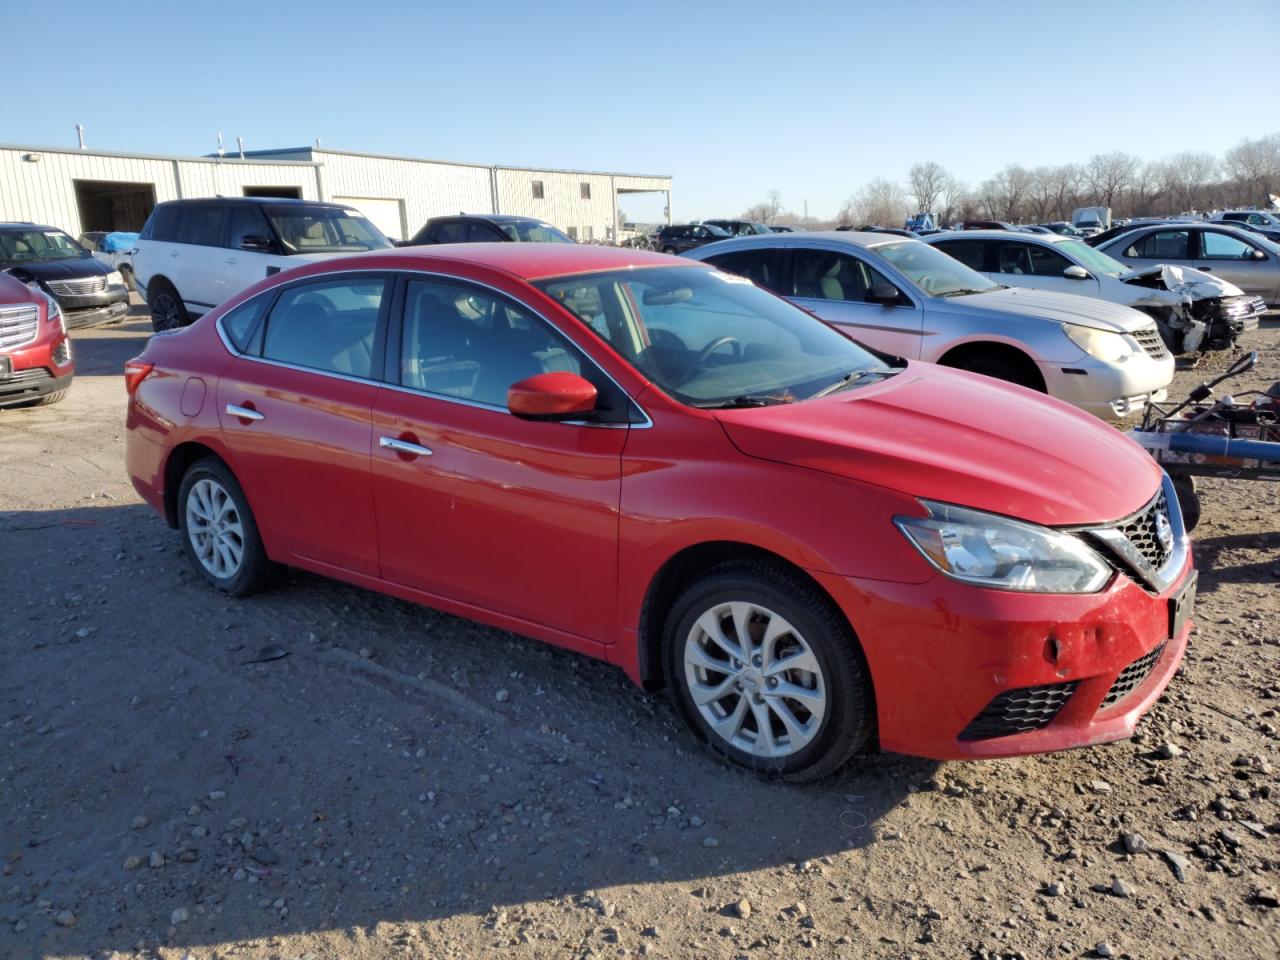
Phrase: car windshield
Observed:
(933, 271)
(21, 246)
(710, 339)
(1093, 260)
(316, 229)
(533, 231)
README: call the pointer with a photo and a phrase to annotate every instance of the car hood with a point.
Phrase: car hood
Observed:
(1048, 305)
(1186, 283)
(943, 434)
(76, 268)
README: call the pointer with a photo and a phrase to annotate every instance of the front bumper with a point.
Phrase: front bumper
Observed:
(94, 308)
(941, 652)
(30, 384)
(1109, 391)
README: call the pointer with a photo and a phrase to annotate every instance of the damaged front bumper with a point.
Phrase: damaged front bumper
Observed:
(1196, 311)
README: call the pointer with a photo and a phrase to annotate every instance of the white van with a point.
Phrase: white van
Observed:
(194, 254)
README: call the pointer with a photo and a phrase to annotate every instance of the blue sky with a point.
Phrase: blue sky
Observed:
(732, 99)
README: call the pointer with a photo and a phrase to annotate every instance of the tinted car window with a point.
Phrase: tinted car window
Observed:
(242, 327)
(826, 275)
(478, 232)
(326, 326)
(246, 221)
(1161, 245)
(758, 266)
(1221, 246)
(204, 224)
(452, 231)
(971, 253)
(463, 342)
(1029, 259)
(166, 222)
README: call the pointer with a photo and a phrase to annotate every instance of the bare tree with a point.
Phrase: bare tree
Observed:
(1188, 178)
(766, 211)
(1067, 180)
(957, 203)
(1003, 195)
(1149, 186)
(927, 182)
(1255, 165)
(1041, 193)
(1108, 174)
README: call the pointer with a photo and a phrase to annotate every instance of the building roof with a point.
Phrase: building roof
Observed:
(26, 148)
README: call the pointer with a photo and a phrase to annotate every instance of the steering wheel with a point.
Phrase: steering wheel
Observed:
(712, 347)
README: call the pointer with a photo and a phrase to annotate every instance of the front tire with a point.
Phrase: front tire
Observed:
(167, 309)
(793, 701)
(219, 533)
(669, 250)
(998, 367)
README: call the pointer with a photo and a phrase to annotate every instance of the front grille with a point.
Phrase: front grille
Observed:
(1149, 339)
(1132, 677)
(1017, 711)
(1243, 306)
(77, 288)
(19, 324)
(1143, 532)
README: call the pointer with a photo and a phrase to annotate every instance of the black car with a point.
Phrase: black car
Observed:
(1112, 232)
(88, 291)
(740, 228)
(677, 238)
(486, 228)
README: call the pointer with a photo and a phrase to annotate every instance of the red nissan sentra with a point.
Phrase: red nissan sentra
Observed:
(816, 549)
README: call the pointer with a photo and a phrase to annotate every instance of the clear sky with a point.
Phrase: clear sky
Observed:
(731, 98)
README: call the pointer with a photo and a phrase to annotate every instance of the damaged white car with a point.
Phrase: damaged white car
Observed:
(1193, 310)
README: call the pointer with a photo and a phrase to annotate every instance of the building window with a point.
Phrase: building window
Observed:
(537, 190)
(585, 189)
(591, 233)
(573, 233)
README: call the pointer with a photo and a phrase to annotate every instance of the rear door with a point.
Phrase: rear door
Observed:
(834, 285)
(1237, 261)
(296, 415)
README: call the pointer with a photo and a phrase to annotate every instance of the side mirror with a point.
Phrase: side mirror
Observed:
(885, 294)
(551, 396)
(1258, 254)
(255, 242)
(1076, 272)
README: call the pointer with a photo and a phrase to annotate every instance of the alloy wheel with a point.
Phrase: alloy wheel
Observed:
(164, 312)
(754, 679)
(215, 528)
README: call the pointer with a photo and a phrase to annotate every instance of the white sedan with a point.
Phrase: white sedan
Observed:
(1193, 310)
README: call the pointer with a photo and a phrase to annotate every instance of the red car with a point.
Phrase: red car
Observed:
(35, 354)
(657, 464)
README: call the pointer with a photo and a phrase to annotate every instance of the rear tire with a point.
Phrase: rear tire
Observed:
(167, 309)
(219, 534)
(130, 284)
(788, 620)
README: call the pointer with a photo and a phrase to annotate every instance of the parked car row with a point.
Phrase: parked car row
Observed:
(655, 462)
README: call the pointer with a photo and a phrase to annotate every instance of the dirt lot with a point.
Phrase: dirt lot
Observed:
(403, 783)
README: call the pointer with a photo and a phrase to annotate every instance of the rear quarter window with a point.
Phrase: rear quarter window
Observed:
(243, 325)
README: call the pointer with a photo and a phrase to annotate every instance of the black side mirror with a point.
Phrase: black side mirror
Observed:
(255, 242)
(883, 293)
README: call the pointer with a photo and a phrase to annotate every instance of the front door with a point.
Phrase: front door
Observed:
(476, 505)
(296, 417)
(1236, 260)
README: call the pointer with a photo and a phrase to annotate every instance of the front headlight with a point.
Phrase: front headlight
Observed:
(115, 279)
(1101, 344)
(54, 312)
(993, 551)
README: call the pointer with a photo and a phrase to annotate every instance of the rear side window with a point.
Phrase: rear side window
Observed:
(327, 326)
(204, 227)
(166, 222)
(972, 253)
(243, 327)
(1161, 245)
(451, 232)
(482, 233)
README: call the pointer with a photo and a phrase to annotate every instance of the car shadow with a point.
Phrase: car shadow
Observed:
(102, 351)
(323, 758)
(1219, 555)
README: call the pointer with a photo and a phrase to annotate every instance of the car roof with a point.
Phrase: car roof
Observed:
(258, 201)
(854, 238)
(24, 225)
(487, 217)
(527, 261)
(999, 235)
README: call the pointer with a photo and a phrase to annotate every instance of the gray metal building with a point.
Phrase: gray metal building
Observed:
(82, 190)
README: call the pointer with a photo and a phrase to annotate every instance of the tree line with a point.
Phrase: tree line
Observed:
(1246, 175)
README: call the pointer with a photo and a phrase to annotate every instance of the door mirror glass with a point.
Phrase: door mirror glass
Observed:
(883, 293)
(255, 242)
(1259, 254)
(1076, 272)
(551, 396)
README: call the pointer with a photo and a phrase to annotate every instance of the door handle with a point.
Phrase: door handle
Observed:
(404, 446)
(244, 413)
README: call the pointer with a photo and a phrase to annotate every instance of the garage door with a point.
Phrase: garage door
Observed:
(385, 214)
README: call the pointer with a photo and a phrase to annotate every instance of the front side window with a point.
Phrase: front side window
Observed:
(710, 339)
(1027, 259)
(326, 326)
(1220, 246)
(464, 342)
(204, 224)
(932, 270)
(20, 246)
(1161, 245)
(311, 228)
(246, 221)
(827, 275)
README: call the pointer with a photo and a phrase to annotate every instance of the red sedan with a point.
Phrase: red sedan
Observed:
(663, 466)
(35, 354)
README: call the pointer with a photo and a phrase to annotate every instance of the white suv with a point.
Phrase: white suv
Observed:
(194, 254)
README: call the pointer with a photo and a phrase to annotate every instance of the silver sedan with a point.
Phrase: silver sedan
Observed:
(1250, 261)
(903, 297)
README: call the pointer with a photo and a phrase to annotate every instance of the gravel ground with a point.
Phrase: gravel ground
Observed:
(403, 783)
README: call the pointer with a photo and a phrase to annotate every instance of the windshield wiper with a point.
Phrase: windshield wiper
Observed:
(748, 400)
(962, 292)
(850, 380)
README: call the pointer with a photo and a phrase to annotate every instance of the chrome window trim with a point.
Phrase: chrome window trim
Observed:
(400, 388)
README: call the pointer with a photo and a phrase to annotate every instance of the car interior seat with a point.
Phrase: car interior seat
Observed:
(307, 334)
